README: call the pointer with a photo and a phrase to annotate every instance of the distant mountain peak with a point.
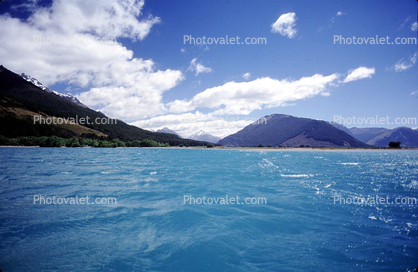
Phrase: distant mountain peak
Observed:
(202, 135)
(201, 132)
(167, 130)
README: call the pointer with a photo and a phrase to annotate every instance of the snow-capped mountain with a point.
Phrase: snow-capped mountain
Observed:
(35, 82)
(204, 136)
(167, 130)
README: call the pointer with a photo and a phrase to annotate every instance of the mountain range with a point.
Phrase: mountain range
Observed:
(285, 130)
(21, 101)
(381, 137)
(22, 97)
(204, 136)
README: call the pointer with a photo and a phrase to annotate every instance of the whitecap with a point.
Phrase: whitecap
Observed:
(297, 176)
(349, 163)
(385, 220)
(267, 163)
(413, 184)
(153, 173)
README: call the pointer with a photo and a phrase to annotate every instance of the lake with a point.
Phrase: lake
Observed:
(166, 209)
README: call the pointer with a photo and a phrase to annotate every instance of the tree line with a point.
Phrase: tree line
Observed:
(54, 141)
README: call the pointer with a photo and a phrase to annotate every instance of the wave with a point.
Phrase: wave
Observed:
(297, 176)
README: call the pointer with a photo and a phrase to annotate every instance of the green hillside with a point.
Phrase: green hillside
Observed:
(18, 95)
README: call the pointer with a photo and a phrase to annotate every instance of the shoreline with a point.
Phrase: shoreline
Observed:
(243, 148)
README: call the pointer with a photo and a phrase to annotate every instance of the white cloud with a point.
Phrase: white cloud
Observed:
(414, 26)
(246, 76)
(285, 25)
(198, 68)
(231, 103)
(244, 97)
(131, 88)
(187, 124)
(29, 5)
(182, 50)
(339, 13)
(240, 99)
(413, 93)
(403, 65)
(359, 73)
(58, 44)
(104, 18)
(135, 95)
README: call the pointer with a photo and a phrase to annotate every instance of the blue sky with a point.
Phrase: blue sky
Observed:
(142, 71)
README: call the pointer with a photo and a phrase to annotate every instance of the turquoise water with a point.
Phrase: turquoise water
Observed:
(304, 226)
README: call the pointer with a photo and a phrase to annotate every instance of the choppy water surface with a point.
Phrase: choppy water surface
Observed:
(305, 225)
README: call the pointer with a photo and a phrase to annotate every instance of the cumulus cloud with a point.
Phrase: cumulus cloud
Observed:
(240, 99)
(245, 97)
(29, 5)
(359, 73)
(187, 124)
(403, 65)
(136, 94)
(198, 68)
(285, 25)
(76, 42)
(246, 76)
